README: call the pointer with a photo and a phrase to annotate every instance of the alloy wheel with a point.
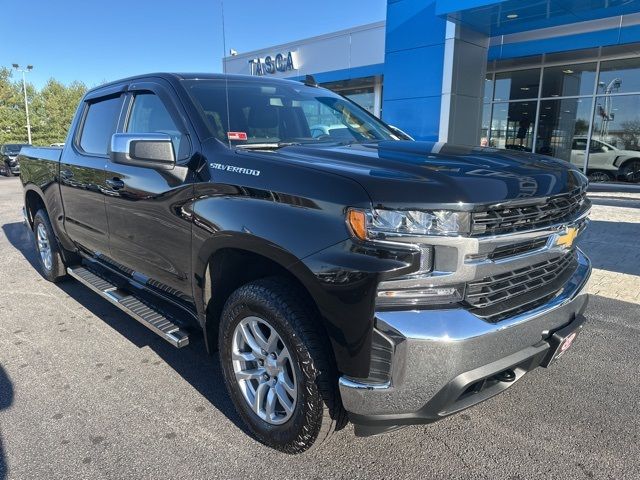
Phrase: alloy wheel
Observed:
(44, 247)
(264, 370)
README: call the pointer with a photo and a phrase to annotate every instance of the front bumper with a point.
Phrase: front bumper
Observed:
(441, 357)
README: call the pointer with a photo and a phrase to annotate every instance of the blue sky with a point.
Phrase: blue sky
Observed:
(94, 41)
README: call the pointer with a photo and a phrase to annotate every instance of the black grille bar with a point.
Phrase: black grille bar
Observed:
(509, 219)
(498, 296)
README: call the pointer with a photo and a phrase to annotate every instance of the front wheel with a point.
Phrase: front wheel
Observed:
(278, 366)
(49, 256)
(631, 171)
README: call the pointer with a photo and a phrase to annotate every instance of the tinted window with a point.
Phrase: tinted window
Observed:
(569, 80)
(517, 85)
(99, 125)
(618, 76)
(149, 115)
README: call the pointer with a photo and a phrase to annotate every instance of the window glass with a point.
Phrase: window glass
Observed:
(569, 80)
(619, 76)
(359, 90)
(488, 88)
(273, 113)
(512, 125)
(517, 85)
(149, 115)
(486, 120)
(363, 97)
(563, 127)
(617, 122)
(100, 124)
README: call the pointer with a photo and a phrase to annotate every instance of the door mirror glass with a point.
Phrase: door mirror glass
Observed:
(148, 150)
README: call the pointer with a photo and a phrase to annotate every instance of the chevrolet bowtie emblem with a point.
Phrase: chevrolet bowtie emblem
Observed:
(566, 239)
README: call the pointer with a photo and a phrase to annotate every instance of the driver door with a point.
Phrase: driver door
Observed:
(150, 236)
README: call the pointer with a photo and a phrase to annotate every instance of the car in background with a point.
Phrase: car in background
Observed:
(57, 145)
(9, 158)
(606, 162)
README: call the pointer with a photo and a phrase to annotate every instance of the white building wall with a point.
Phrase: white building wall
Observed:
(354, 47)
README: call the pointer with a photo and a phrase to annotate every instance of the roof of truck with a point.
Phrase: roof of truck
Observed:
(174, 77)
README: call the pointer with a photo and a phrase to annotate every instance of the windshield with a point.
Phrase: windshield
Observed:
(274, 113)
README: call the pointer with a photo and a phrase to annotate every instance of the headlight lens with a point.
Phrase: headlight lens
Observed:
(378, 224)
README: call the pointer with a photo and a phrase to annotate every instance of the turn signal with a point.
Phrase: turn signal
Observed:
(357, 223)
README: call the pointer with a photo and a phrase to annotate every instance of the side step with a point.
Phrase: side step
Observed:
(131, 305)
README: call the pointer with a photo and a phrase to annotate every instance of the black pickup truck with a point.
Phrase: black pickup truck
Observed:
(342, 271)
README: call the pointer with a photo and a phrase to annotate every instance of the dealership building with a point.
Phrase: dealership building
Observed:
(535, 75)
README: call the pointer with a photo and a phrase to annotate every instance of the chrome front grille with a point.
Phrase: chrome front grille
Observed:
(499, 296)
(516, 218)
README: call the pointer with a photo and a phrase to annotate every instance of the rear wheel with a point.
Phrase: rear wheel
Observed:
(51, 263)
(278, 366)
(599, 176)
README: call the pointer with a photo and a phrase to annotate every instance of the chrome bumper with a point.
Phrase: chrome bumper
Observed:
(433, 348)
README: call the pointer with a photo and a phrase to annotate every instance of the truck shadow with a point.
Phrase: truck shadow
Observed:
(6, 399)
(192, 362)
(22, 239)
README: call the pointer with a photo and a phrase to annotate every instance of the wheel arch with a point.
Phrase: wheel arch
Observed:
(33, 201)
(226, 263)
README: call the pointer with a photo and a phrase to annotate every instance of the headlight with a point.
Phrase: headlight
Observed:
(380, 224)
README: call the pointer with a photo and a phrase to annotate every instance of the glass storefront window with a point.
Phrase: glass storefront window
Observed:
(617, 121)
(486, 119)
(517, 85)
(569, 80)
(597, 99)
(512, 125)
(564, 124)
(619, 76)
(488, 88)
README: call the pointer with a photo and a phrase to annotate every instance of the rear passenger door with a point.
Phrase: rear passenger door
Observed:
(149, 230)
(82, 170)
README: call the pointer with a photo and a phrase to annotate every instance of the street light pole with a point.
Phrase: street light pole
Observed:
(24, 88)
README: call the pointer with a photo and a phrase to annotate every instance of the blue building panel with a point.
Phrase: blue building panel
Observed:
(414, 73)
(418, 116)
(414, 63)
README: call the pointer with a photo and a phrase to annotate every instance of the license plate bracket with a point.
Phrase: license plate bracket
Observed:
(561, 340)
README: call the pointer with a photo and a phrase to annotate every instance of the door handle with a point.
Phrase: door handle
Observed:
(115, 183)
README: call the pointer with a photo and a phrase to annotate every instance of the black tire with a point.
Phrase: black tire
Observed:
(57, 270)
(318, 412)
(599, 176)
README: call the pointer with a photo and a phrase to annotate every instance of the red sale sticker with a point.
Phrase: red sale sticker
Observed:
(236, 135)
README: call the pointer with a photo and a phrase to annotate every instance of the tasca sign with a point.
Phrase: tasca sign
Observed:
(282, 62)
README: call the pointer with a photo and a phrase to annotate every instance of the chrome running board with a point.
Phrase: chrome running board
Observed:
(146, 315)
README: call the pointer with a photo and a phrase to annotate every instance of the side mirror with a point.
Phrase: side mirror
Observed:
(148, 150)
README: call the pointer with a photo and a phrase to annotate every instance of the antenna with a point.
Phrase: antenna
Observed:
(224, 71)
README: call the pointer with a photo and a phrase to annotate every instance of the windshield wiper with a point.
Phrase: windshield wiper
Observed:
(266, 146)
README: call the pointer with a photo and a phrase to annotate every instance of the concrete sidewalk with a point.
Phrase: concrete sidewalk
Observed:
(612, 241)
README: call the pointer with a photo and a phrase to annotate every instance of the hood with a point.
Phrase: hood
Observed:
(405, 173)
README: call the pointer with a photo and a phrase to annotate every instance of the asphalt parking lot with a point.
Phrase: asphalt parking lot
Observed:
(86, 392)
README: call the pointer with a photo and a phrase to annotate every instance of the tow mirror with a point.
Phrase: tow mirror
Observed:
(148, 150)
